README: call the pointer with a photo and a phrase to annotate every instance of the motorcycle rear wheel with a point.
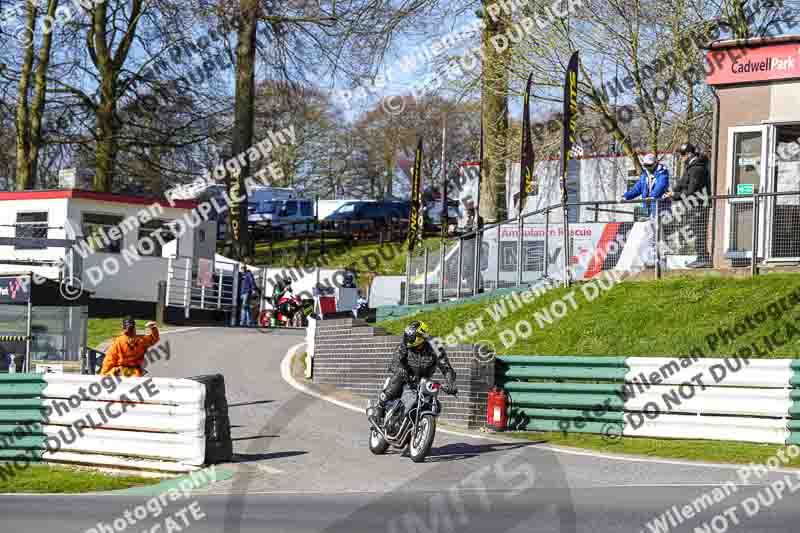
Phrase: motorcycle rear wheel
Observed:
(377, 444)
(420, 445)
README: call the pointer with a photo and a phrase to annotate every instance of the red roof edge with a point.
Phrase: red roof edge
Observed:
(99, 196)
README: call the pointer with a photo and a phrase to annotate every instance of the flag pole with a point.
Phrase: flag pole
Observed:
(445, 213)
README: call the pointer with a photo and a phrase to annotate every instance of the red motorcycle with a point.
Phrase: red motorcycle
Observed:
(290, 311)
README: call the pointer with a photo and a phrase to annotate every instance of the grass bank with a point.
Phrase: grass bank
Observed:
(690, 450)
(386, 259)
(57, 479)
(659, 318)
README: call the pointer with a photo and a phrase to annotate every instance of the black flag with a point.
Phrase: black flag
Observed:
(567, 145)
(570, 122)
(527, 156)
(415, 224)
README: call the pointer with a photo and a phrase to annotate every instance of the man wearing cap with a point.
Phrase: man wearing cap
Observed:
(125, 357)
(651, 186)
(695, 182)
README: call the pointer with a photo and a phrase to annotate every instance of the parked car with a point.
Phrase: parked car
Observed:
(289, 217)
(433, 215)
(365, 219)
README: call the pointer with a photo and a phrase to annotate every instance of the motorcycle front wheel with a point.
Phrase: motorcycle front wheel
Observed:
(421, 442)
(377, 444)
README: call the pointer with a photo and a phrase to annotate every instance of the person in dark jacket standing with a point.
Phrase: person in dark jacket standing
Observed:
(696, 184)
(247, 287)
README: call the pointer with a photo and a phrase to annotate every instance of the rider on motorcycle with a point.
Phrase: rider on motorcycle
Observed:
(414, 358)
(278, 289)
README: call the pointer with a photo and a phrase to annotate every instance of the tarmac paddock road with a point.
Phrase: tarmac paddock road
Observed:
(302, 465)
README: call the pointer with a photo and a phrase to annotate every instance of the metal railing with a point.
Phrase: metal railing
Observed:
(183, 287)
(635, 237)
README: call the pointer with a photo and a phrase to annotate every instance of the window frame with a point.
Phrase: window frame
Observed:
(17, 223)
(149, 227)
(120, 242)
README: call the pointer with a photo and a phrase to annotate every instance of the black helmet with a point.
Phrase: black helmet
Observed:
(687, 148)
(415, 334)
(128, 322)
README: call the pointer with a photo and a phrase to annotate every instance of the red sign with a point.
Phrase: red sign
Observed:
(744, 65)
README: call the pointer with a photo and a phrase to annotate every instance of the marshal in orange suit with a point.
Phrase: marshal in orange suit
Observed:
(126, 354)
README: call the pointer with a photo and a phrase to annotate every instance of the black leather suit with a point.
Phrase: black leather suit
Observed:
(409, 365)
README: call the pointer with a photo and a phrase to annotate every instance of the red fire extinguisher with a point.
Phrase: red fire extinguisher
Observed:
(497, 413)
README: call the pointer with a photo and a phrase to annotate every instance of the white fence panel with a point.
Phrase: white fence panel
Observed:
(715, 400)
(170, 391)
(773, 373)
(185, 418)
(176, 447)
(678, 426)
(163, 431)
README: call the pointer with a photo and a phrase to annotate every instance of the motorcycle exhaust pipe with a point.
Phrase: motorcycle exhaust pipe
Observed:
(379, 430)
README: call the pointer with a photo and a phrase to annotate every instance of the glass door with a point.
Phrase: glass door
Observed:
(747, 164)
(783, 212)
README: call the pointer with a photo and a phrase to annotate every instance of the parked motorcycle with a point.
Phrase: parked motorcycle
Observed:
(290, 311)
(414, 429)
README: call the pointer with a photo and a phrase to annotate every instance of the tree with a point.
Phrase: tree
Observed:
(494, 94)
(31, 97)
(303, 37)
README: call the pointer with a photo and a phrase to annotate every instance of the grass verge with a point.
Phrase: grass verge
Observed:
(64, 480)
(690, 450)
(660, 318)
(386, 259)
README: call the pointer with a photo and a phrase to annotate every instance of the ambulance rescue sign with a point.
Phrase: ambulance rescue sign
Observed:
(729, 65)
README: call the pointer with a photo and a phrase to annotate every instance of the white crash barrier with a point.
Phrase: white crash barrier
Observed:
(719, 372)
(147, 423)
(711, 398)
(714, 401)
(677, 426)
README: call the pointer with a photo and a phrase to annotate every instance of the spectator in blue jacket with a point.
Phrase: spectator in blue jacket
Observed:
(247, 287)
(652, 184)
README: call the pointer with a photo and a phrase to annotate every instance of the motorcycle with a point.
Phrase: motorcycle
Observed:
(290, 311)
(414, 429)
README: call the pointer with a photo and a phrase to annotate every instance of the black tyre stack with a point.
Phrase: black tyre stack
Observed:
(219, 447)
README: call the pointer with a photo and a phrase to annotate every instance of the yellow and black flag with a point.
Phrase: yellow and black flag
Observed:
(570, 122)
(415, 227)
(526, 184)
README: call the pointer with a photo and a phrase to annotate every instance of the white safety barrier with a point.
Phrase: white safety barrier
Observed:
(732, 371)
(712, 398)
(744, 429)
(146, 423)
(311, 331)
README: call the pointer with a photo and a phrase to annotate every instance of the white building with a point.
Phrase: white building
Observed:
(132, 240)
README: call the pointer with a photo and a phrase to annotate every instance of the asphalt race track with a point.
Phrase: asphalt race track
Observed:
(302, 465)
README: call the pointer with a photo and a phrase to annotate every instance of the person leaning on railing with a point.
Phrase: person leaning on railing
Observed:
(695, 183)
(125, 357)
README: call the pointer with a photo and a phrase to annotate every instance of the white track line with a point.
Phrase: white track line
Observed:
(286, 374)
(269, 469)
(181, 330)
